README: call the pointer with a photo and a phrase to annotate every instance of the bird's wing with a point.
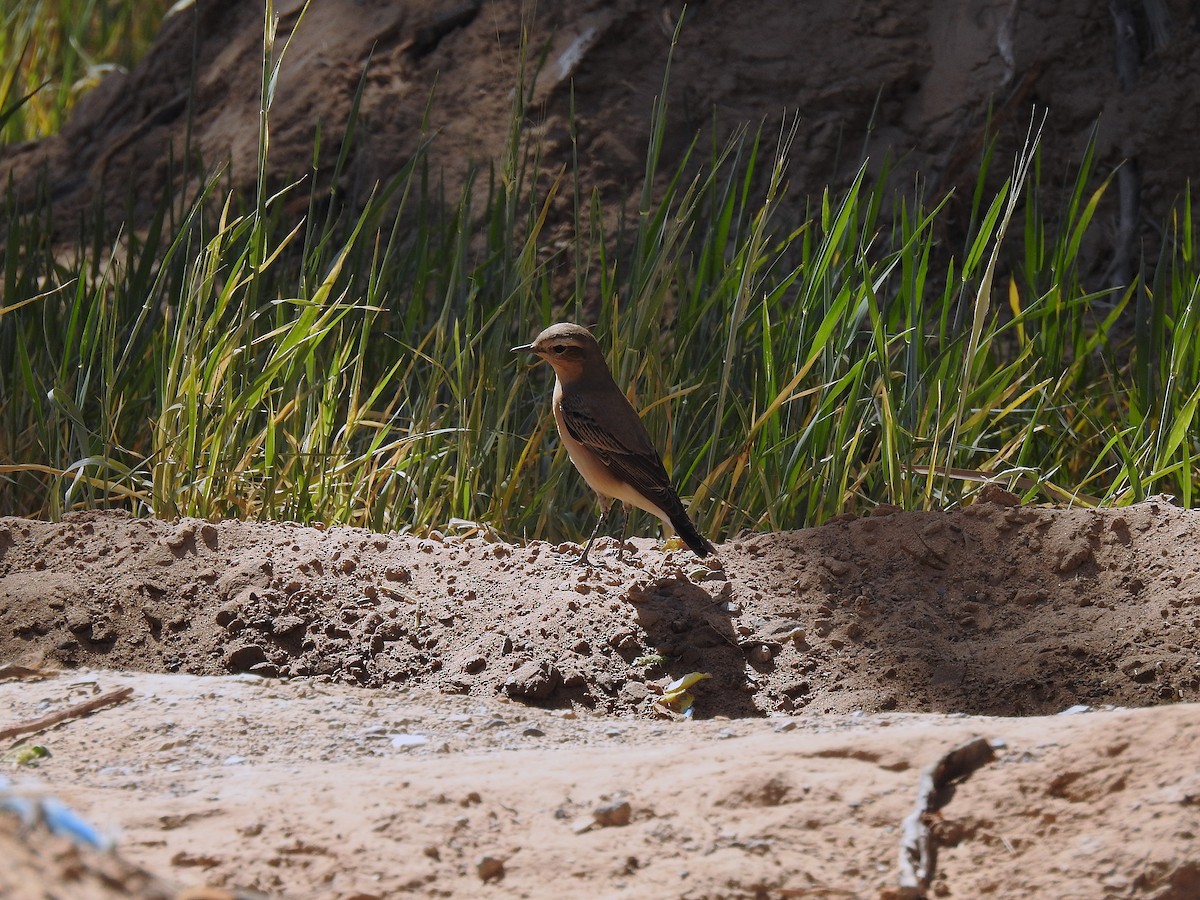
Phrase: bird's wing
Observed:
(626, 450)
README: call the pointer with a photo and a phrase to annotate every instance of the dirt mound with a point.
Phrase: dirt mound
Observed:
(993, 609)
(913, 83)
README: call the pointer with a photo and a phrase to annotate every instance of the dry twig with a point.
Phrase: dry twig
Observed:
(918, 852)
(71, 712)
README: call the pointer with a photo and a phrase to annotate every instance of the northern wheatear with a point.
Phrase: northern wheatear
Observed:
(604, 435)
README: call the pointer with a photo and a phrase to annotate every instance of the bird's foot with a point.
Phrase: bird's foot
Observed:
(626, 554)
(581, 560)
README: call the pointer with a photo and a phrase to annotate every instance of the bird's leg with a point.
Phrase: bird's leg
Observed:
(624, 525)
(583, 560)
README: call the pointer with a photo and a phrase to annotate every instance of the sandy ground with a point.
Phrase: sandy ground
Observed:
(307, 790)
(334, 713)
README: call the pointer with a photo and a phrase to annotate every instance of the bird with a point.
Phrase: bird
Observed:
(605, 437)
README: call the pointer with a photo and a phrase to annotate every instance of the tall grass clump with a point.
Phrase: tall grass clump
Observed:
(353, 365)
(54, 51)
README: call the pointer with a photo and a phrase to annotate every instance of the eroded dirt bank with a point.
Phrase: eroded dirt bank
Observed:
(990, 610)
(916, 87)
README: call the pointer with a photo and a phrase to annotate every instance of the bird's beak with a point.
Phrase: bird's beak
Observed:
(524, 348)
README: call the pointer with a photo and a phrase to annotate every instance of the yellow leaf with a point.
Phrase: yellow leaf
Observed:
(677, 696)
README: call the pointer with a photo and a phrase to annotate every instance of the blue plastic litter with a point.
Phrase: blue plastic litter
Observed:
(59, 818)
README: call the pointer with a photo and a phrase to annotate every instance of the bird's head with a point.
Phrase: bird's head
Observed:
(569, 348)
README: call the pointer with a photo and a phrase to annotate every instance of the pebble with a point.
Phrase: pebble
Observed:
(242, 659)
(408, 741)
(489, 868)
(583, 825)
(613, 815)
(761, 653)
(1076, 709)
(534, 681)
(180, 537)
(475, 664)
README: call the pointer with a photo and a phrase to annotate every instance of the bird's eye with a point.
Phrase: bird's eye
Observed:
(559, 348)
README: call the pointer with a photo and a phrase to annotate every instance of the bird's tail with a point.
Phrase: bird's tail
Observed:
(698, 543)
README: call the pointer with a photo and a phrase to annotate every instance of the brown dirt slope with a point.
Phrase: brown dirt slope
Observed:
(989, 610)
(900, 80)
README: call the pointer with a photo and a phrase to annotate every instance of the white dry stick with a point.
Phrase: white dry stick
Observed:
(918, 853)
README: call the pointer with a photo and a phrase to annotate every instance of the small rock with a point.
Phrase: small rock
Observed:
(181, 536)
(836, 567)
(242, 659)
(79, 621)
(208, 532)
(613, 815)
(1027, 597)
(282, 625)
(573, 678)
(408, 741)
(583, 825)
(533, 681)
(489, 868)
(635, 691)
(1070, 561)
(993, 493)
(103, 631)
(761, 653)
